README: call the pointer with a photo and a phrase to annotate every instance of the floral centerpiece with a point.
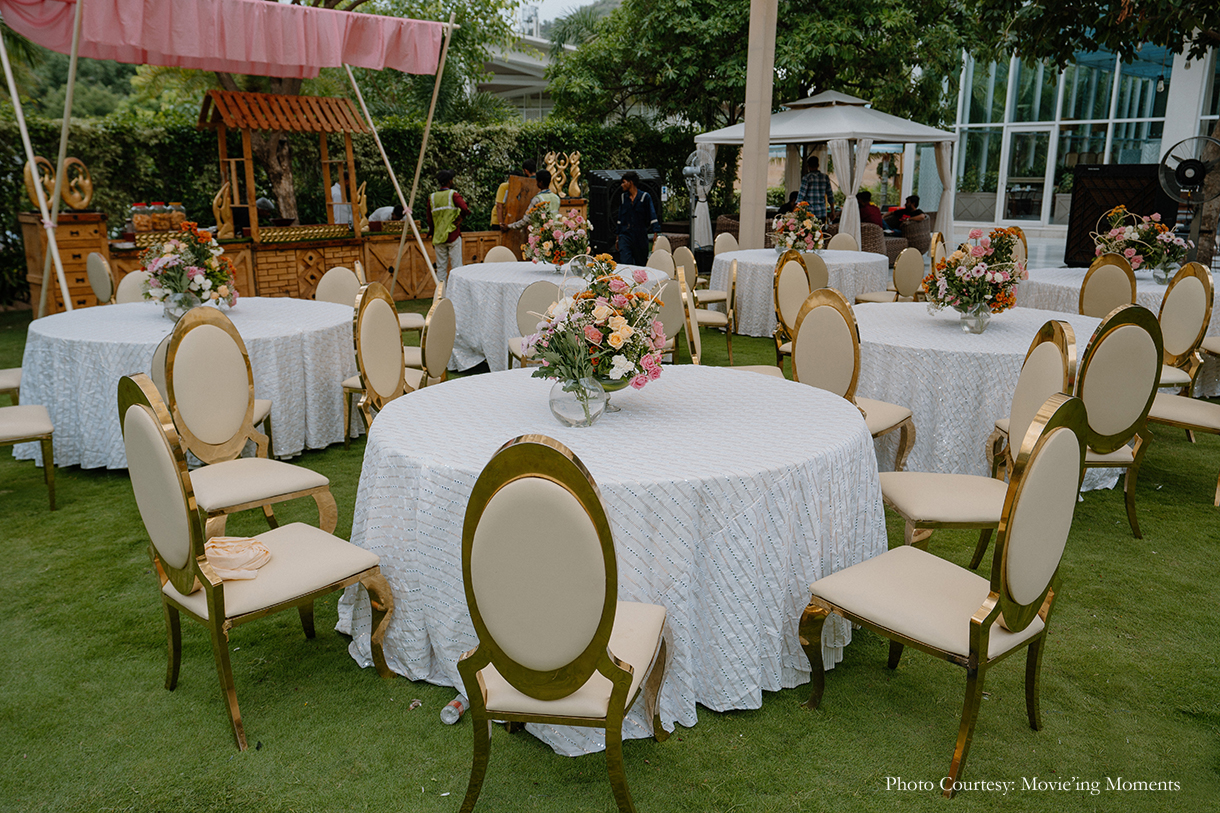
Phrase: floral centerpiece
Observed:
(797, 230)
(188, 269)
(978, 280)
(554, 238)
(1143, 240)
(602, 338)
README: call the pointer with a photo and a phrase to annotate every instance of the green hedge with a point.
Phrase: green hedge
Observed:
(166, 158)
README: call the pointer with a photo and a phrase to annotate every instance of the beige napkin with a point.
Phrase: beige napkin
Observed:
(234, 557)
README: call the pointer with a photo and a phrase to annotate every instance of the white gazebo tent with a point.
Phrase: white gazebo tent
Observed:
(234, 36)
(838, 120)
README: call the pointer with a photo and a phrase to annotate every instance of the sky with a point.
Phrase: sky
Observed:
(550, 9)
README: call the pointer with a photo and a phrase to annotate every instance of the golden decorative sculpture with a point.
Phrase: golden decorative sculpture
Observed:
(574, 175)
(222, 210)
(560, 174)
(46, 176)
(78, 185)
(362, 209)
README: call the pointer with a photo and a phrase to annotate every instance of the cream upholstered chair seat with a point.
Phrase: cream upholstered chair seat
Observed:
(1174, 376)
(880, 415)
(1123, 455)
(709, 296)
(785, 349)
(633, 640)
(304, 560)
(262, 408)
(10, 381)
(1178, 409)
(516, 349)
(877, 296)
(409, 320)
(1211, 344)
(1003, 423)
(250, 480)
(711, 318)
(921, 596)
(945, 498)
(765, 369)
(20, 422)
(414, 378)
(413, 357)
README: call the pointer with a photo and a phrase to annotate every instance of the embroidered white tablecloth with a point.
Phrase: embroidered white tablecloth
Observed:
(1058, 289)
(728, 492)
(851, 273)
(484, 297)
(300, 352)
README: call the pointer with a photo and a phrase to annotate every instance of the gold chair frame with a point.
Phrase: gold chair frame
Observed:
(231, 449)
(371, 400)
(139, 392)
(431, 359)
(1105, 444)
(1106, 259)
(46, 441)
(783, 331)
(1060, 411)
(101, 280)
(829, 297)
(1190, 360)
(10, 384)
(937, 244)
(690, 304)
(522, 360)
(541, 456)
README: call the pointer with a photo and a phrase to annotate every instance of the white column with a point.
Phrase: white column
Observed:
(1187, 86)
(908, 171)
(760, 68)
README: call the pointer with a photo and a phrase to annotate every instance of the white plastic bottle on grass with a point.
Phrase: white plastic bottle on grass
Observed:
(452, 712)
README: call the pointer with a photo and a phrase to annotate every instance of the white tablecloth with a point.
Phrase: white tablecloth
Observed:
(1058, 289)
(300, 352)
(956, 384)
(728, 492)
(484, 297)
(851, 273)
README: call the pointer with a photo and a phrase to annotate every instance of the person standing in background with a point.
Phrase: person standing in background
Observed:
(343, 211)
(446, 211)
(498, 213)
(815, 190)
(637, 219)
(545, 195)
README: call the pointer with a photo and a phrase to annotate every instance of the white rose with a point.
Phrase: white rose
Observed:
(207, 285)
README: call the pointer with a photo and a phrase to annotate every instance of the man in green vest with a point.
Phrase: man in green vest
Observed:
(446, 210)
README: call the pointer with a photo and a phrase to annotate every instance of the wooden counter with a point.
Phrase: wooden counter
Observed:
(78, 235)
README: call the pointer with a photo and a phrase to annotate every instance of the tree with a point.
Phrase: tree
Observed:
(1056, 31)
(686, 59)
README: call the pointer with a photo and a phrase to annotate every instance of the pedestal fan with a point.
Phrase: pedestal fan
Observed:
(1190, 174)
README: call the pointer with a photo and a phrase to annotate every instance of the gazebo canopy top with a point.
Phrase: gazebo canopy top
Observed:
(270, 111)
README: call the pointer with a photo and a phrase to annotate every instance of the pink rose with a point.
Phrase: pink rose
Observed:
(977, 251)
(655, 372)
(1129, 253)
(640, 276)
(1098, 252)
(618, 286)
(986, 241)
(1156, 217)
(1136, 261)
(618, 301)
(976, 234)
(649, 362)
(639, 381)
(557, 234)
(593, 334)
(658, 343)
(658, 329)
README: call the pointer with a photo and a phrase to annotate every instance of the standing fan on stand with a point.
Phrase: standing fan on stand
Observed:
(1184, 174)
(700, 174)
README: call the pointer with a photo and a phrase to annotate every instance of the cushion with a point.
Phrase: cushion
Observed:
(1174, 376)
(703, 297)
(765, 369)
(712, 318)
(413, 357)
(1002, 424)
(10, 379)
(1182, 410)
(635, 639)
(878, 296)
(262, 408)
(921, 596)
(410, 321)
(1123, 456)
(353, 383)
(413, 377)
(250, 480)
(304, 559)
(21, 422)
(880, 416)
(786, 348)
(951, 498)
(1210, 344)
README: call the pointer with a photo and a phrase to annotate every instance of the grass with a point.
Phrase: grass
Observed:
(1131, 686)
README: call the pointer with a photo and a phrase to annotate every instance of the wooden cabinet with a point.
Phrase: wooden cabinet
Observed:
(77, 235)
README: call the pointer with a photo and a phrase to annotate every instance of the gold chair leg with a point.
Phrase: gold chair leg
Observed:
(981, 548)
(273, 523)
(1129, 494)
(995, 450)
(895, 654)
(306, 613)
(48, 468)
(347, 421)
(916, 537)
(728, 337)
(652, 694)
(328, 511)
(270, 438)
(812, 621)
(173, 634)
(906, 442)
(215, 526)
(965, 733)
(1216, 500)
(224, 670)
(614, 764)
(1033, 677)
(482, 751)
(381, 601)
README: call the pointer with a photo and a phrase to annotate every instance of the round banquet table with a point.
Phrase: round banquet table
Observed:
(1058, 289)
(851, 273)
(484, 297)
(300, 352)
(728, 492)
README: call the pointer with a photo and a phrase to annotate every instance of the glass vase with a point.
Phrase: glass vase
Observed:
(611, 385)
(175, 305)
(1163, 273)
(578, 402)
(975, 318)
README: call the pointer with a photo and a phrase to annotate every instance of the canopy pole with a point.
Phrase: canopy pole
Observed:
(52, 246)
(406, 210)
(59, 164)
(436, 89)
(756, 141)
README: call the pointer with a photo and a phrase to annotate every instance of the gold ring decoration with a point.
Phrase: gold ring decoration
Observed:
(46, 176)
(78, 185)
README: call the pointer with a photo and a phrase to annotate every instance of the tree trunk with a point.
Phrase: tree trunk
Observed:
(272, 149)
(1211, 209)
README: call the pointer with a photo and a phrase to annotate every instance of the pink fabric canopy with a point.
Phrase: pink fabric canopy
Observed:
(236, 36)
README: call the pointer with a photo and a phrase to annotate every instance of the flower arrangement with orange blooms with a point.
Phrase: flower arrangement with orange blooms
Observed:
(554, 238)
(799, 230)
(1143, 240)
(986, 273)
(189, 263)
(610, 331)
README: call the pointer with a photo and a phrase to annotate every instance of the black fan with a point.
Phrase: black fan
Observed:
(1184, 175)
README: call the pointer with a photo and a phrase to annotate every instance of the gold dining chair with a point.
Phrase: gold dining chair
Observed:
(1186, 314)
(919, 600)
(305, 562)
(1108, 284)
(383, 375)
(131, 287)
(725, 241)
(672, 316)
(555, 645)
(339, 285)
(790, 291)
(684, 262)
(662, 260)
(210, 388)
(533, 302)
(816, 270)
(97, 269)
(908, 280)
(410, 320)
(694, 342)
(1184, 412)
(499, 254)
(31, 423)
(435, 344)
(936, 248)
(722, 320)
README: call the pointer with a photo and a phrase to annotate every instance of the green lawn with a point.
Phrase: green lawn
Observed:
(1131, 686)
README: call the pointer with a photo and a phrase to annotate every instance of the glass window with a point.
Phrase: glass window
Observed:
(1081, 144)
(1036, 89)
(987, 86)
(1087, 85)
(978, 173)
(1143, 86)
(1211, 107)
(1136, 142)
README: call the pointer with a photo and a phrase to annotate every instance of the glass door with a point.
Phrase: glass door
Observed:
(1026, 180)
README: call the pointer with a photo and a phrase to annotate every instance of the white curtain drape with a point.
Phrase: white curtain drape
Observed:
(944, 168)
(849, 174)
(701, 231)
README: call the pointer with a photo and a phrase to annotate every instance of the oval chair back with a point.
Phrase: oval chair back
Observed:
(500, 254)
(533, 303)
(908, 272)
(1049, 368)
(684, 264)
(694, 342)
(1020, 249)
(843, 242)
(826, 347)
(791, 290)
(936, 249)
(131, 287)
(815, 267)
(673, 311)
(157, 371)
(378, 349)
(662, 243)
(1186, 312)
(1108, 284)
(436, 342)
(1118, 376)
(211, 387)
(358, 270)
(662, 260)
(100, 278)
(725, 241)
(339, 285)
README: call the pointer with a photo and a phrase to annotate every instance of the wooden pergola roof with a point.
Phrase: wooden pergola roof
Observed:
(270, 111)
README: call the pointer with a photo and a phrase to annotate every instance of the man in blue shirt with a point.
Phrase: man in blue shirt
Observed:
(815, 190)
(637, 218)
